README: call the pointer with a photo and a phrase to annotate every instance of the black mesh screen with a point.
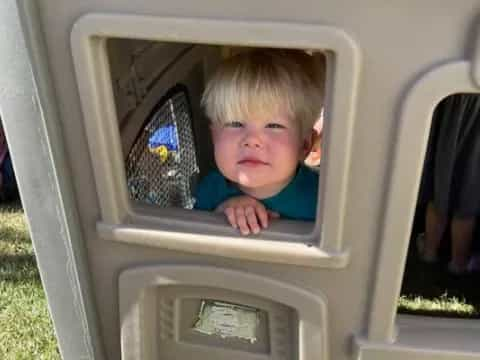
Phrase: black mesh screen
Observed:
(162, 165)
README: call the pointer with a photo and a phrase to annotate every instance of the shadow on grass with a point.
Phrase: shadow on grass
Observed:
(12, 235)
(433, 281)
(11, 206)
(18, 268)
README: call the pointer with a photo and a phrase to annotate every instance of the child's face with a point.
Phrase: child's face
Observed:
(259, 154)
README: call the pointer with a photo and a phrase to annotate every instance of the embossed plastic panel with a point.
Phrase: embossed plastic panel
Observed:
(172, 311)
(160, 309)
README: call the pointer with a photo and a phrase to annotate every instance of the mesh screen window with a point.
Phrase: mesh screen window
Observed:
(162, 165)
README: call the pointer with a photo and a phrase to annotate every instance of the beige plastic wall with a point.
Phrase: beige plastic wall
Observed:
(392, 62)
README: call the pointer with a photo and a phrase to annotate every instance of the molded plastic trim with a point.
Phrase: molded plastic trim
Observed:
(88, 38)
(414, 128)
(311, 309)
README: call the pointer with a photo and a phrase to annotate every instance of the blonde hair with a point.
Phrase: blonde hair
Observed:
(263, 82)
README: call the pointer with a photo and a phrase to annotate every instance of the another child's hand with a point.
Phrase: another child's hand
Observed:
(246, 214)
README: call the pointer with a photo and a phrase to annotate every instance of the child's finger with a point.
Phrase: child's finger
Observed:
(273, 214)
(252, 219)
(230, 214)
(262, 215)
(241, 220)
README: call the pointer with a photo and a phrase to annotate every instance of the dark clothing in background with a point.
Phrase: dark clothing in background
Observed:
(451, 174)
(8, 184)
(8, 189)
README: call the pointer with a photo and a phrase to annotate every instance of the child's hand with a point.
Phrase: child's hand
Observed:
(246, 214)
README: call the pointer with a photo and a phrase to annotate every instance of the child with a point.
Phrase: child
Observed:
(262, 105)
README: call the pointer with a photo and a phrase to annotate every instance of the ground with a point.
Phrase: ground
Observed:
(26, 331)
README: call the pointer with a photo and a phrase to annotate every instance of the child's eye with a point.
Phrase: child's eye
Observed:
(275, 126)
(234, 124)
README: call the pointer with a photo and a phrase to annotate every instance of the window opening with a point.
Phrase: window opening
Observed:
(166, 138)
(162, 165)
(443, 261)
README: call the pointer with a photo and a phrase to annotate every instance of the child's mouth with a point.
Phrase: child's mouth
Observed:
(251, 162)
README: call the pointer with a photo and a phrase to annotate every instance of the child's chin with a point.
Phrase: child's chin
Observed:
(252, 181)
(254, 187)
(251, 185)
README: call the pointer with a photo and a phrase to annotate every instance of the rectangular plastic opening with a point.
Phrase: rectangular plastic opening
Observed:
(165, 135)
(131, 71)
(441, 267)
(438, 289)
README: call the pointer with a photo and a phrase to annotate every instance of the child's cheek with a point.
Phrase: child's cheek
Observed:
(286, 141)
(223, 139)
(224, 147)
(217, 136)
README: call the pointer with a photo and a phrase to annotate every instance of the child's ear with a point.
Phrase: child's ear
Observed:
(314, 154)
(307, 144)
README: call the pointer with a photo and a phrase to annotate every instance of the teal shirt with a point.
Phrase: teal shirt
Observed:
(298, 200)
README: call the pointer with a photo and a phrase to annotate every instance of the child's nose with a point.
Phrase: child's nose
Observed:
(252, 139)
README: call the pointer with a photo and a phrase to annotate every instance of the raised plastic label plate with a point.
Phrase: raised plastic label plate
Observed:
(227, 320)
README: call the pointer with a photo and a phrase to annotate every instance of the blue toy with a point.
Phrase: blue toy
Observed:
(164, 141)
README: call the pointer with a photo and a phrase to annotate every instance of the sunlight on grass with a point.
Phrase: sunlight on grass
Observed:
(25, 328)
(443, 304)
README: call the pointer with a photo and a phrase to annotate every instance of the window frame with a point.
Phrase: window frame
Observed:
(388, 331)
(121, 221)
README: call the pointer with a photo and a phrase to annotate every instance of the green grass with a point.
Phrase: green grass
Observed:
(26, 331)
(442, 306)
